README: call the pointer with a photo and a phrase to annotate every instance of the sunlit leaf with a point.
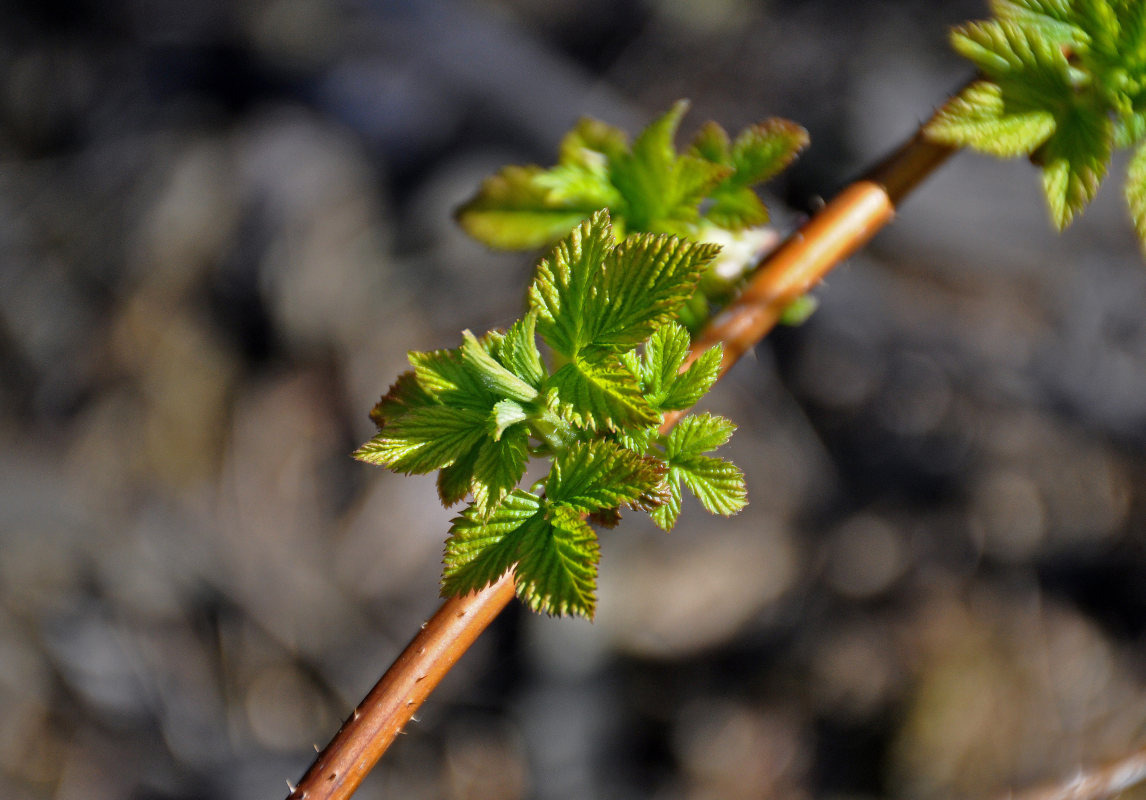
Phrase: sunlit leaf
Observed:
(557, 565)
(593, 475)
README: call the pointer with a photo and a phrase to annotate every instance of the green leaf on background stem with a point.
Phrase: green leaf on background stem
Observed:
(758, 154)
(514, 210)
(665, 352)
(647, 186)
(1064, 82)
(661, 191)
(694, 382)
(553, 550)
(981, 118)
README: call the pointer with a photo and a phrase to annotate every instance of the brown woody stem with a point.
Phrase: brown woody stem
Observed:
(796, 266)
(367, 733)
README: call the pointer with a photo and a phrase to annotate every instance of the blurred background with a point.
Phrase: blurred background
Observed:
(223, 224)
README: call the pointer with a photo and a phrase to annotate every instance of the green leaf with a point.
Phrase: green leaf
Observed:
(1004, 49)
(557, 565)
(519, 354)
(732, 204)
(696, 434)
(1136, 192)
(506, 413)
(455, 480)
(496, 379)
(425, 439)
(405, 395)
(736, 208)
(590, 476)
(442, 375)
(1051, 18)
(694, 382)
(516, 210)
(639, 440)
(764, 150)
(564, 280)
(759, 153)
(601, 395)
(482, 549)
(665, 352)
(589, 294)
(1099, 19)
(1074, 162)
(712, 144)
(648, 186)
(980, 117)
(641, 284)
(664, 385)
(666, 514)
(498, 467)
(717, 484)
(554, 550)
(592, 142)
(661, 191)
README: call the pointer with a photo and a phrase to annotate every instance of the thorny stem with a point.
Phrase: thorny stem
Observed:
(379, 718)
(835, 232)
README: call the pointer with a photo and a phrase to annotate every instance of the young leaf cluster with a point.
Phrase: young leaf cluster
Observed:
(476, 414)
(647, 186)
(1061, 81)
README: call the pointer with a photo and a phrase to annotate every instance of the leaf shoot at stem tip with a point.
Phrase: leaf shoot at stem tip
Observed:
(606, 312)
(1064, 83)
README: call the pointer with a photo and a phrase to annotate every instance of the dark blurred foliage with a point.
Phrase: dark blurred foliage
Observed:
(222, 224)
